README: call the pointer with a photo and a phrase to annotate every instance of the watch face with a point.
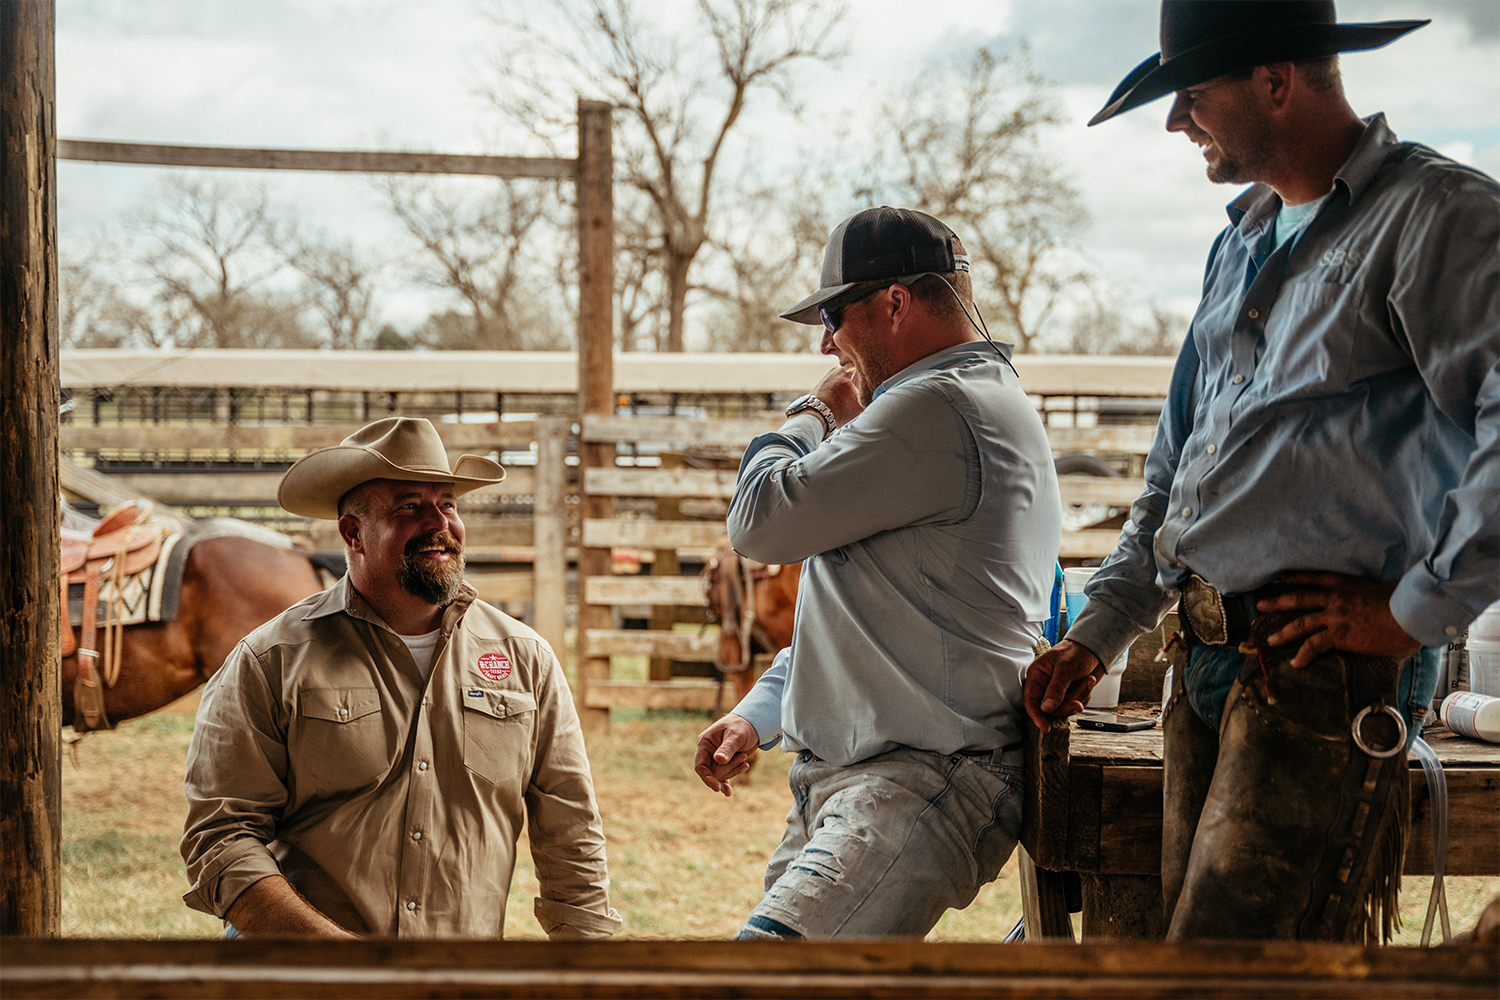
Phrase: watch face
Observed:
(800, 403)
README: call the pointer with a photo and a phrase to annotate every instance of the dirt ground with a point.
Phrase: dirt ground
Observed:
(685, 863)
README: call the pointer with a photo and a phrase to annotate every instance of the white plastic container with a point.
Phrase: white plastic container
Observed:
(1483, 649)
(1106, 693)
(1472, 714)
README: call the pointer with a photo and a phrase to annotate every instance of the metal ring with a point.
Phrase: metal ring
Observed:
(1359, 740)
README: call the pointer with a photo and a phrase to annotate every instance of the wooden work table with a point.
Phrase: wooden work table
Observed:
(1094, 806)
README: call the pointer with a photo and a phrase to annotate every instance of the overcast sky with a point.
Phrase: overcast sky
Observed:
(404, 75)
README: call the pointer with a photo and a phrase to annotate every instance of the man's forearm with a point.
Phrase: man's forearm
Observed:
(272, 908)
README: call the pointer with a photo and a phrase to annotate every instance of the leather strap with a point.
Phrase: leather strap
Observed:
(88, 695)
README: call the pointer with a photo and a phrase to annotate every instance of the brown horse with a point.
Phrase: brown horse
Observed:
(231, 584)
(761, 624)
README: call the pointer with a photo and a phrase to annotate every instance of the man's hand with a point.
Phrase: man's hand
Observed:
(1059, 682)
(271, 907)
(838, 391)
(723, 750)
(1343, 612)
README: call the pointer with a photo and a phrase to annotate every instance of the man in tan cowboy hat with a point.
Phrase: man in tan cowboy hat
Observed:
(363, 762)
(1323, 493)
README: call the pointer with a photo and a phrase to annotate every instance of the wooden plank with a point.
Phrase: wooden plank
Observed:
(603, 590)
(697, 647)
(595, 362)
(1473, 806)
(1044, 819)
(1044, 902)
(550, 526)
(1090, 543)
(108, 492)
(244, 437)
(344, 160)
(502, 588)
(185, 488)
(1128, 439)
(684, 696)
(717, 484)
(30, 679)
(682, 432)
(1099, 490)
(639, 533)
(1130, 817)
(77, 967)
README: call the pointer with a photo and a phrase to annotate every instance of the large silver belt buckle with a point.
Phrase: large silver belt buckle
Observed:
(1205, 611)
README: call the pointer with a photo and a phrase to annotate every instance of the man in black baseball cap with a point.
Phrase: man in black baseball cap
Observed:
(1323, 496)
(915, 484)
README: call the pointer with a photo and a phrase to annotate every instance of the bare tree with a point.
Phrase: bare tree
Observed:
(965, 149)
(477, 248)
(772, 243)
(677, 113)
(211, 246)
(1105, 325)
(340, 287)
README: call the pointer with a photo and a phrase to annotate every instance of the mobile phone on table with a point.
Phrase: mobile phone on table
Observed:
(1113, 722)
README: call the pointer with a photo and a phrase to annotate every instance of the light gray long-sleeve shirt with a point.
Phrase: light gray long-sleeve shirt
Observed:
(929, 526)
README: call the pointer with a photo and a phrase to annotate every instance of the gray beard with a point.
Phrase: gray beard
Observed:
(437, 586)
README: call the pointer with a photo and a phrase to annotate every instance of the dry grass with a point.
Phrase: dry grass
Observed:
(685, 863)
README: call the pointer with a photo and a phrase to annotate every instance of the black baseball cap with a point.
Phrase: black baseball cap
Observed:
(875, 245)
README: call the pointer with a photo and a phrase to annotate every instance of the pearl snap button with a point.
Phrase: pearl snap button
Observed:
(1238, 379)
(422, 766)
(1213, 449)
(1187, 512)
(416, 835)
(411, 905)
(343, 711)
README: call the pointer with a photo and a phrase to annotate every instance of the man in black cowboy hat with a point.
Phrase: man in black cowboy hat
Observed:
(363, 763)
(1323, 494)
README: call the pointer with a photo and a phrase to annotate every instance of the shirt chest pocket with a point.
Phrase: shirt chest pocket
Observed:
(342, 738)
(497, 733)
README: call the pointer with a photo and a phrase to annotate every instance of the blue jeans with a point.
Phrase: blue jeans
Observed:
(885, 846)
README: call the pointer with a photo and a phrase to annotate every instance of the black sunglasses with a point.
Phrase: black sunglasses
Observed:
(832, 313)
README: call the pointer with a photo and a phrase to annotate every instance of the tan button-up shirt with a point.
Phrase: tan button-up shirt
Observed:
(392, 804)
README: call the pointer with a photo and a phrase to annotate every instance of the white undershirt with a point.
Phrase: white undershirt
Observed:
(422, 649)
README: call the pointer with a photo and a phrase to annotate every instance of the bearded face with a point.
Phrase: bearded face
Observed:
(435, 582)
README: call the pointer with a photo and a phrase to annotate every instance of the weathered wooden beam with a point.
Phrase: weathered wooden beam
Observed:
(550, 527)
(1090, 543)
(596, 372)
(644, 534)
(187, 488)
(697, 647)
(682, 432)
(716, 484)
(388, 968)
(502, 588)
(1099, 490)
(606, 590)
(242, 437)
(684, 696)
(341, 160)
(30, 699)
(1125, 439)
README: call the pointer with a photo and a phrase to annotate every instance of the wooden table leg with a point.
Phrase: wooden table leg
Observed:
(1123, 907)
(1044, 903)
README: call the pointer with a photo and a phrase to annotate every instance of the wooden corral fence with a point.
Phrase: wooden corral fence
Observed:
(615, 494)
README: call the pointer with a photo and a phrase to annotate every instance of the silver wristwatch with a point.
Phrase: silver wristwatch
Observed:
(810, 402)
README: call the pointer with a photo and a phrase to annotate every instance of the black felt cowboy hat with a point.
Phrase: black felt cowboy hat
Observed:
(1205, 39)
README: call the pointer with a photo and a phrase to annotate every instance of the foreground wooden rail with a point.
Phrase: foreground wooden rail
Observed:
(85, 968)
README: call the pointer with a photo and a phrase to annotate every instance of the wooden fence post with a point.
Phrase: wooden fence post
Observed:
(30, 702)
(596, 379)
(550, 533)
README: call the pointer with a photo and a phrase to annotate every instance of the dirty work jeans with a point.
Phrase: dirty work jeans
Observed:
(883, 847)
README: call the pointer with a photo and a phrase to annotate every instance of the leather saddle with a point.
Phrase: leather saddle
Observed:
(121, 546)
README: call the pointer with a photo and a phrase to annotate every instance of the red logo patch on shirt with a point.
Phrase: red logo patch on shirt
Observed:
(495, 666)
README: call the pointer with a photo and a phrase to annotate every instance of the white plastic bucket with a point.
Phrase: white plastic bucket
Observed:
(1484, 666)
(1106, 693)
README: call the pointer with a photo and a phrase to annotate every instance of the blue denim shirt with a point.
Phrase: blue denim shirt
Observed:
(1335, 409)
(929, 526)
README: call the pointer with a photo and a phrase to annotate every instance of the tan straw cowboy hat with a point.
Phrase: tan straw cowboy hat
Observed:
(406, 448)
